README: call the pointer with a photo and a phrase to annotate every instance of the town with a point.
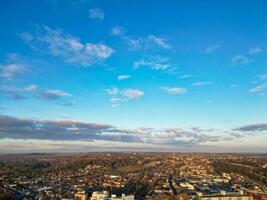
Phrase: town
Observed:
(129, 176)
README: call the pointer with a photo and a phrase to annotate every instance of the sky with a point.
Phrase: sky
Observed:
(114, 75)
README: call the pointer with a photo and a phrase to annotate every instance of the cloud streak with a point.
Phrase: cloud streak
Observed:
(52, 94)
(213, 47)
(123, 77)
(201, 83)
(259, 88)
(255, 50)
(253, 127)
(18, 93)
(241, 60)
(174, 90)
(20, 128)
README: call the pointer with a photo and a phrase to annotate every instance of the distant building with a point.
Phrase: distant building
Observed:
(105, 196)
(187, 185)
(224, 196)
(123, 197)
(80, 196)
(100, 195)
(127, 197)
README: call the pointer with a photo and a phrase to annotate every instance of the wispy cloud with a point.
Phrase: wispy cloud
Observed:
(161, 42)
(68, 104)
(259, 88)
(132, 93)
(117, 31)
(52, 94)
(25, 36)
(155, 63)
(213, 47)
(186, 76)
(112, 91)
(116, 101)
(123, 95)
(123, 77)
(174, 90)
(236, 134)
(69, 48)
(96, 13)
(150, 41)
(18, 93)
(255, 50)
(10, 71)
(241, 59)
(201, 83)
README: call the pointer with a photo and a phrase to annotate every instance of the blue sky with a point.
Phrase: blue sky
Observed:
(180, 76)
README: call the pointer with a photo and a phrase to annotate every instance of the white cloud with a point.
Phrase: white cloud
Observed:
(174, 90)
(255, 50)
(241, 59)
(132, 93)
(112, 91)
(115, 100)
(70, 48)
(123, 95)
(213, 47)
(117, 31)
(96, 13)
(135, 44)
(160, 66)
(123, 77)
(201, 84)
(9, 71)
(155, 63)
(159, 41)
(259, 89)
